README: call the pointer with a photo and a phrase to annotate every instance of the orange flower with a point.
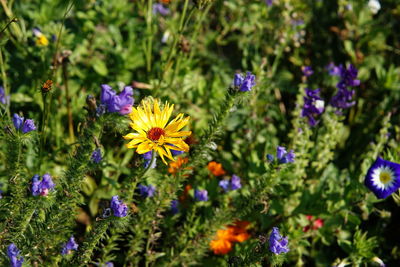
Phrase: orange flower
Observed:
(222, 244)
(165, 1)
(215, 168)
(185, 194)
(174, 166)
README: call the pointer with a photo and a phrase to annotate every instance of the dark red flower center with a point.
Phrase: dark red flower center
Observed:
(155, 133)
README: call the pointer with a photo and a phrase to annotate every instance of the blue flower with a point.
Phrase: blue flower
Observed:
(244, 84)
(313, 106)
(17, 121)
(13, 252)
(160, 9)
(24, 125)
(277, 244)
(96, 156)
(147, 160)
(147, 191)
(42, 187)
(333, 70)
(232, 184)
(343, 98)
(3, 98)
(307, 71)
(224, 184)
(69, 246)
(121, 103)
(269, 2)
(383, 178)
(118, 207)
(283, 156)
(201, 195)
(174, 206)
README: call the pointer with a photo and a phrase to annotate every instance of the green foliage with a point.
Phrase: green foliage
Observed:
(189, 58)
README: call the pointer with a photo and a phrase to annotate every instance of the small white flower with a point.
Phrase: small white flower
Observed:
(374, 6)
(320, 105)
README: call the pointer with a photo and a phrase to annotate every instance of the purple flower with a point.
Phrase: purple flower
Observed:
(277, 244)
(160, 9)
(24, 125)
(29, 125)
(383, 178)
(235, 182)
(201, 195)
(1, 192)
(282, 155)
(333, 69)
(147, 191)
(313, 106)
(270, 157)
(17, 121)
(244, 84)
(118, 207)
(343, 98)
(42, 187)
(96, 156)
(147, 160)
(269, 2)
(174, 206)
(69, 246)
(13, 252)
(121, 103)
(307, 71)
(224, 184)
(108, 264)
(3, 98)
(232, 184)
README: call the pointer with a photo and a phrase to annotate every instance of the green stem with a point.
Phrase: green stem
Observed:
(4, 78)
(149, 29)
(82, 258)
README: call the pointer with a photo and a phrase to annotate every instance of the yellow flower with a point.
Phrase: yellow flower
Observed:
(42, 40)
(154, 132)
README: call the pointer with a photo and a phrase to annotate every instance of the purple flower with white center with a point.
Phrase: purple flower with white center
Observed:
(244, 84)
(3, 98)
(313, 106)
(343, 98)
(383, 178)
(333, 70)
(160, 9)
(108, 264)
(307, 71)
(121, 103)
(277, 244)
(174, 206)
(119, 208)
(13, 254)
(147, 191)
(69, 246)
(201, 195)
(96, 156)
(42, 187)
